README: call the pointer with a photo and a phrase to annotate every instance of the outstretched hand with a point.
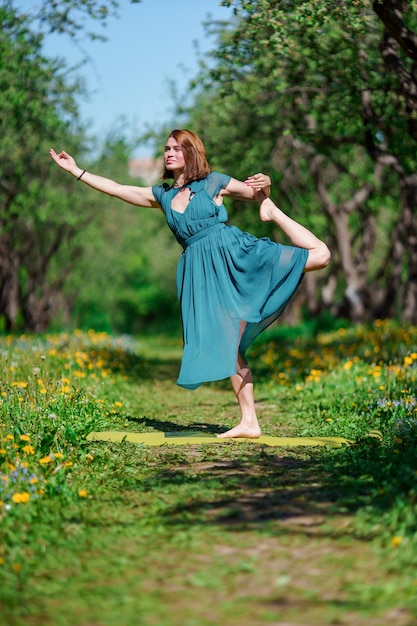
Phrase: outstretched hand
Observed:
(64, 160)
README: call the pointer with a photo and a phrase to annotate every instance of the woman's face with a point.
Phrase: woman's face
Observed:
(173, 155)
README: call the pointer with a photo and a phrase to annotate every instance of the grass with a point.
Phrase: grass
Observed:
(232, 533)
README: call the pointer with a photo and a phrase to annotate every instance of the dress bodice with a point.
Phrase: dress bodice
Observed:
(201, 212)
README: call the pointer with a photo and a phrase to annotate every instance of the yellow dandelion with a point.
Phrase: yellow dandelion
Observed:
(83, 493)
(59, 455)
(90, 457)
(28, 449)
(9, 437)
(79, 374)
(25, 437)
(45, 460)
(396, 541)
(33, 480)
(21, 498)
(20, 384)
(65, 389)
(119, 403)
(68, 464)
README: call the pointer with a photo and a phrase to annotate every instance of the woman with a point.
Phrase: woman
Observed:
(231, 285)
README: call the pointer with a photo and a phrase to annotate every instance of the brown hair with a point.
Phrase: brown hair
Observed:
(196, 164)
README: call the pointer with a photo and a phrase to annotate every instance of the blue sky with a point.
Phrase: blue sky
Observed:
(151, 43)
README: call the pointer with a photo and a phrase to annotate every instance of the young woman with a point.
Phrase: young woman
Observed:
(230, 284)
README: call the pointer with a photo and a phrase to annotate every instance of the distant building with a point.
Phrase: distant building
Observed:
(149, 170)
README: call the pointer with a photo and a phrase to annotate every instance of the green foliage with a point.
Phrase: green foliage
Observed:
(37, 109)
(124, 279)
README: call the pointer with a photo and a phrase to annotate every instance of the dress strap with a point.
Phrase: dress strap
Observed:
(203, 233)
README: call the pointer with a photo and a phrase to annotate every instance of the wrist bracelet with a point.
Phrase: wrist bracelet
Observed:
(81, 175)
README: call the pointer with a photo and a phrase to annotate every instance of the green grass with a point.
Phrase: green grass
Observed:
(232, 533)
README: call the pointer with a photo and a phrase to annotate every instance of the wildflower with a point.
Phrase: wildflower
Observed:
(20, 385)
(83, 493)
(17, 567)
(33, 480)
(396, 541)
(45, 460)
(58, 455)
(25, 437)
(28, 449)
(21, 498)
(90, 457)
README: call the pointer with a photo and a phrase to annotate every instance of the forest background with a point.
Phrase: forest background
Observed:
(322, 97)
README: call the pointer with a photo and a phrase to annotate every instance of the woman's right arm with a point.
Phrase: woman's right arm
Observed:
(140, 196)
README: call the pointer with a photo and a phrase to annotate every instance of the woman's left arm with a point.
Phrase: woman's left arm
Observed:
(248, 189)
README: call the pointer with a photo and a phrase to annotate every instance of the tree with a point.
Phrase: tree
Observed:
(306, 85)
(36, 108)
(124, 280)
(41, 214)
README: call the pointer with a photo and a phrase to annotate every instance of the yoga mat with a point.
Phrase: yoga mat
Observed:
(183, 438)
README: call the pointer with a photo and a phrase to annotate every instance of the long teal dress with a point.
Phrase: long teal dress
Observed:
(224, 276)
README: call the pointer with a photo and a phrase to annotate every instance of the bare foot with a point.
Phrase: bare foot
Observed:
(242, 430)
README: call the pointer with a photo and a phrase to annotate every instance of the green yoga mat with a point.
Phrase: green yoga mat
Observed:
(183, 438)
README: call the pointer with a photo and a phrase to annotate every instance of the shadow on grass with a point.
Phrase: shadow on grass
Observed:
(168, 426)
(261, 490)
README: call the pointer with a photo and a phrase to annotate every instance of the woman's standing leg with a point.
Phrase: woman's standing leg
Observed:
(242, 384)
